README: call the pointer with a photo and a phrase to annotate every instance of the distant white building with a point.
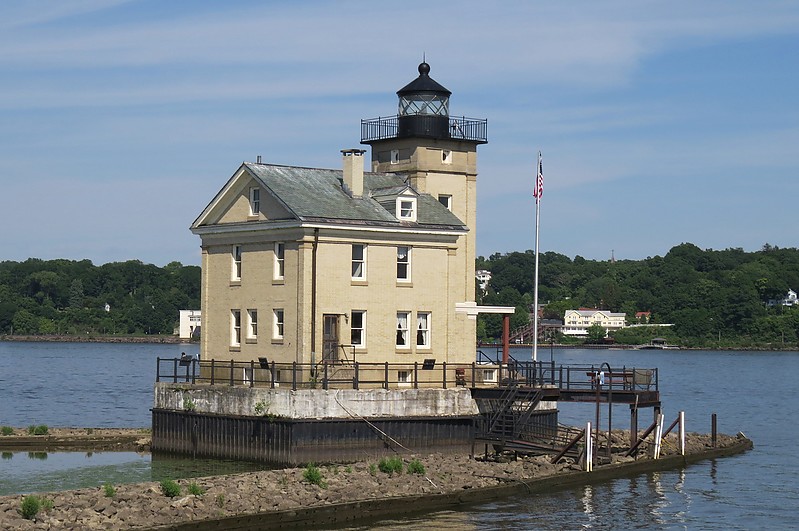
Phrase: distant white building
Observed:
(483, 277)
(790, 299)
(577, 322)
(189, 326)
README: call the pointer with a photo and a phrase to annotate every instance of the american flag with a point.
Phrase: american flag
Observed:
(538, 190)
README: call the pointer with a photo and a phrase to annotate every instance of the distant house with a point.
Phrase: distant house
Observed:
(189, 325)
(790, 299)
(643, 317)
(577, 322)
(483, 277)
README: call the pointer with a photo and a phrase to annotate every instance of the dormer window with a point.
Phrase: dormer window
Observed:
(406, 208)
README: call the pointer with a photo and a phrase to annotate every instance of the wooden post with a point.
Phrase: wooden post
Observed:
(633, 424)
(713, 432)
(589, 450)
(682, 432)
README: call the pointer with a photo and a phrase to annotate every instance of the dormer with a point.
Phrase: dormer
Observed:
(406, 206)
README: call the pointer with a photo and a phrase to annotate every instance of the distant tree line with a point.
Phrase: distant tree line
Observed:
(713, 298)
(65, 297)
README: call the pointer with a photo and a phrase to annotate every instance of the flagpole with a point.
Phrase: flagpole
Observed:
(539, 188)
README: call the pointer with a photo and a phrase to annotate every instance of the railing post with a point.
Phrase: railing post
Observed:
(252, 373)
(324, 379)
(157, 370)
(474, 369)
(713, 432)
(444, 373)
(293, 375)
(175, 370)
(273, 375)
(385, 377)
(194, 365)
(231, 373)
(356, 377)
(213, 370)
(416, 375)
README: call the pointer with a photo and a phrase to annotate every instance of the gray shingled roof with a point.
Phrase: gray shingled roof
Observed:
(314, 194)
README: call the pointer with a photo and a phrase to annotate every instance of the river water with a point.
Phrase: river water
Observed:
(110, 385)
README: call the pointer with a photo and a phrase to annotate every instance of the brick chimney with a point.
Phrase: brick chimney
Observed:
(353, 170)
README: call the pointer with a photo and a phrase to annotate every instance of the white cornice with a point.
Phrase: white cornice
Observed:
(231, 228)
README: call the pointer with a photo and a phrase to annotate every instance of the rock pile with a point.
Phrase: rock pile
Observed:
(144, 505)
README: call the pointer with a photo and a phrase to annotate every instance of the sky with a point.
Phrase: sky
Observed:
(659, 122)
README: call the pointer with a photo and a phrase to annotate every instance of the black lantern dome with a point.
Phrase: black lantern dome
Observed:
(423, 113)
(423, 96)
(423, 107)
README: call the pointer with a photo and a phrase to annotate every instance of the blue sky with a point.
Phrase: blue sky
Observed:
(660, 122)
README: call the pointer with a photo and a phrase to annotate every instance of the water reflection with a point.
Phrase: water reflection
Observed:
(53, 471)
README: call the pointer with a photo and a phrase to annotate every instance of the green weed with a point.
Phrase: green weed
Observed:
(194, 489)
(170, 488)
(390, 465)
(313, 475)
(415, 467)
(31, 505)
(109, 490)
(7, 430)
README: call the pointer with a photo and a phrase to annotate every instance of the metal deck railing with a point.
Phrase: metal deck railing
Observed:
(427, 374)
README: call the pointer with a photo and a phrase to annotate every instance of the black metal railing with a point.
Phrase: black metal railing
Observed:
(459, 128)
(358, 375)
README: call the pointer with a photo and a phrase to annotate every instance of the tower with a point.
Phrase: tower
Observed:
(437, 152)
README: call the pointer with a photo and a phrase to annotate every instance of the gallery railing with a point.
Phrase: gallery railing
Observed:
(426, 374)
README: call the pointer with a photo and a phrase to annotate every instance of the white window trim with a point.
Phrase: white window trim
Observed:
(235, 328)
(407, 263)
(426, 332)
(252, 324)
(448, 203)
(236, 252)
(400, 330)
(278, 323)
(446, 156)
(410, 216)
(362, 313)
(255, 202)
(279, 272)
(362, 261)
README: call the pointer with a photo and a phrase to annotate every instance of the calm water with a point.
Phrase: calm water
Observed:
(111, 386)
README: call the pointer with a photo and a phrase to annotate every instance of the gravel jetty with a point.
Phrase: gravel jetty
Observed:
(270, 495)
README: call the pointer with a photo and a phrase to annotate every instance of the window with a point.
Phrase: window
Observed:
(236, 273)
(277, 330)
(252, 329)
(395, 156)
(446, 156)
(404, 378)
(489, 375)
(402, 329)
(280, 261)
(235, 327)
(246, 376)
(255, 201)
(358, 261)
(358, 328)
(423, 329)
(445, 200)
(404, 263)
(406, 208)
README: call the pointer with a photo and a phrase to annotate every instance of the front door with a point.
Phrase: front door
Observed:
(330, 338)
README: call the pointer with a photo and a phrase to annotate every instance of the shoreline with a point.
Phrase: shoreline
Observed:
(273, 499)
(173, 340)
